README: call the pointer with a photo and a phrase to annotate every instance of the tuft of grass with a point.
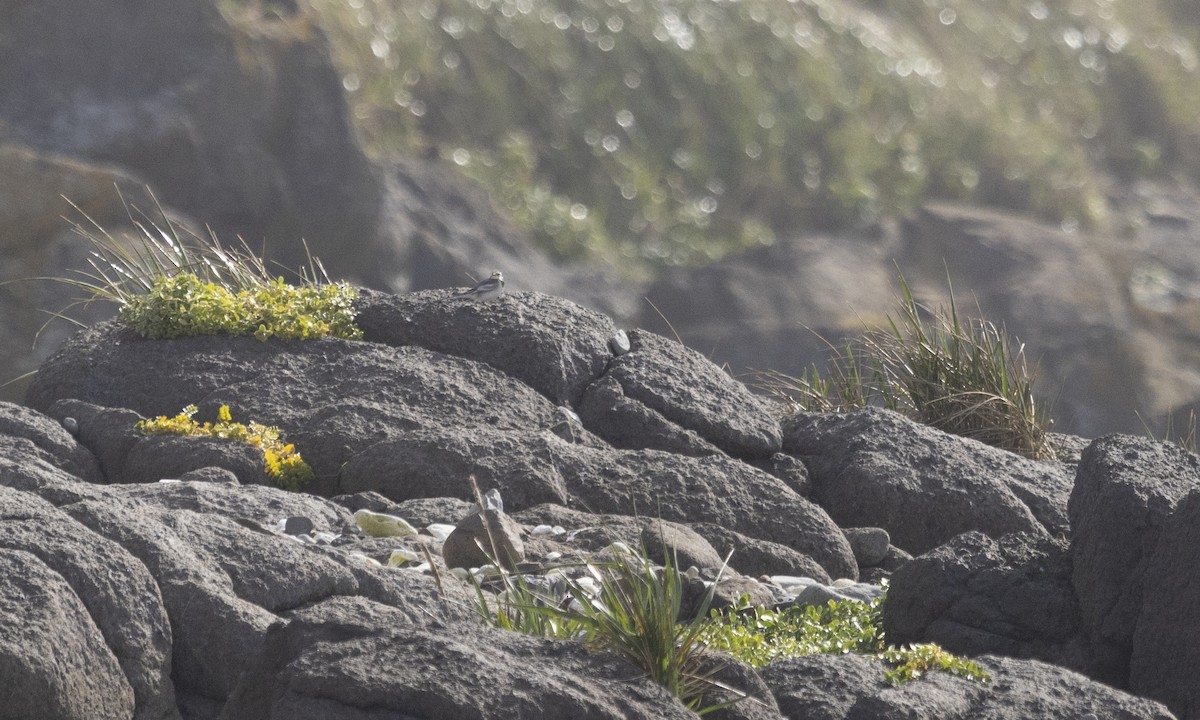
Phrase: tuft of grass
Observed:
(626, 606)
(1185, 439)
(282, 464)
(170, 283)
(963, 376)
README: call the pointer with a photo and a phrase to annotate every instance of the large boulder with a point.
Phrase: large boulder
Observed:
(1125, 492)
(852, 687)
(877, 468)
(1166, 641)
(53, 658)
(555, 347)
(113, 590)
(975, 595)
(687, 389)
(350, 659)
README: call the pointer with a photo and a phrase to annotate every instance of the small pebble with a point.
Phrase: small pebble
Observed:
(440, 531)
(619, 343)
(298, 525)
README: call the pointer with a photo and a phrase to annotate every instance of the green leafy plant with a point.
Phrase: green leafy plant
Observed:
(913, 661)
(282, 464)
(759, 636)
(962, 376)
(168, 283)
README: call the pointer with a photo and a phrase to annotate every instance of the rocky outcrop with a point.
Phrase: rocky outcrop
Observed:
(851, 687)
(975, 595)
(1126, 490)
(876, 468)
(242, 592)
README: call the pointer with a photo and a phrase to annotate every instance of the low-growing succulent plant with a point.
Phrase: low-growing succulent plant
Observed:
(281, 463)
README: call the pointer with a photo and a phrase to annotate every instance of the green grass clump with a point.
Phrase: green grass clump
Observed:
(168, 283)
(963, 376)
(760, 636)
(282, 464)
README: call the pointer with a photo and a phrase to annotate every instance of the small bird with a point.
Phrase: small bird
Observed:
(489, 289)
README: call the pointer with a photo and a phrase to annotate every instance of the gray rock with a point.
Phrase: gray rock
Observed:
(217, 475)
(555, 346)
(53, 658)
(482, 538)
(1125, 491)
(755, 557)
(631, 425)
(876, 468)
(852, 687)
(298, 525)
(619, 343)
(54, 443)
(1166, 641)
(157, 457)
(819, 594)
(332, 398)
(106, 432)
(112, 587)
(325, 664)
(533, 468)
(870, 545)
(688, 390)
(977, 595)
(437, 462)
(789, 469)
(590, 533)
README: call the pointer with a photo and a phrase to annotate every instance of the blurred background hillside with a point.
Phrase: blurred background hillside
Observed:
(748, 175)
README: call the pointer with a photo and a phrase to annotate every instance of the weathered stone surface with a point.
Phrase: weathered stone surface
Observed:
(556, 347)
(325, 664)
(975, 595)
(489, 536)
(876, 468)
(1125, 491)
(53, 658)
(332, 398)
(168, 457)
(117, 593)
(590, 533)
(870, 545)
(534, 468)
(439, 462)
(755, 557)
(1166, 641)
(851, 687)
(57, 446)
(631, 425)
(822, 687)
(688, 390)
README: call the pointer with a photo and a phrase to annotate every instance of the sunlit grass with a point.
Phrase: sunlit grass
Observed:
(964, 376)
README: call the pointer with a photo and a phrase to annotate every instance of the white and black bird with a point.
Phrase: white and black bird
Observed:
(489, 289)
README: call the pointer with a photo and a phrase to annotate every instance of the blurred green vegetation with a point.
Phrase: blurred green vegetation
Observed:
(675, 131)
